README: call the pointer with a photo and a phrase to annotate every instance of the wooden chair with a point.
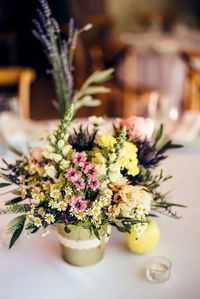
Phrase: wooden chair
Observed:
(22, 77)
(137, 100)
(192, 89)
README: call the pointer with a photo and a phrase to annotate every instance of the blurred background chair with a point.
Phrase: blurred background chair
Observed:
(192, 87)
(22, 78)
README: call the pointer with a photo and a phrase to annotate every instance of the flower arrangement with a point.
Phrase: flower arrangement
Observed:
(88, 179)
(84, 177)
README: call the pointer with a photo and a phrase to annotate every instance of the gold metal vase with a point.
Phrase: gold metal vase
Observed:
(80, 247)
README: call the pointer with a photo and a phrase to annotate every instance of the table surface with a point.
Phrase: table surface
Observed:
(34, 268)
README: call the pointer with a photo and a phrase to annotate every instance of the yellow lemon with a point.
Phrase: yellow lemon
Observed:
(147, 241)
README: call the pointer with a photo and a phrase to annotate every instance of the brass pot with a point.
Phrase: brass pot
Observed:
(80, 247)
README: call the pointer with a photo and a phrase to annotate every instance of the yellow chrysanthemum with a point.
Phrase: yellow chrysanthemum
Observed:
(106, 140)
(129, 159)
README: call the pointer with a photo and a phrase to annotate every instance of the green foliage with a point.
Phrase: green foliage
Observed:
(84, 97)
(19, 228)
(15, 209)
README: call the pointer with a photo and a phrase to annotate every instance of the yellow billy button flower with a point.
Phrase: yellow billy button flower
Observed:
(37, 222)
(41, 212)
(49, 218)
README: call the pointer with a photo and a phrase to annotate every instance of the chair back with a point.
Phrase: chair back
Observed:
(22, 77)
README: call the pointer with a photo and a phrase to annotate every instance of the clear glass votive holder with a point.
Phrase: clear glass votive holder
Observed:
(158, 269)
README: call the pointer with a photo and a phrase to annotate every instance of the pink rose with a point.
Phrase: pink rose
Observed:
(36, 154)
(138, 127)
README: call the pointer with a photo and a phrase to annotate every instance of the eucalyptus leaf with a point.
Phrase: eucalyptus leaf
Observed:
(15, 220)
(100, 76)
(15, 151)
(96, 89)
(14, 200)
(18, 232)
(16, 192)
(4, 185)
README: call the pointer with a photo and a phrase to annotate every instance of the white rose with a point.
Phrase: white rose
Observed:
(50, 171)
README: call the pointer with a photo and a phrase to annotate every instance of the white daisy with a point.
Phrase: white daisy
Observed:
(37, 222)
(49, 218)
(68, 191)
(52, 204)
(61, 206)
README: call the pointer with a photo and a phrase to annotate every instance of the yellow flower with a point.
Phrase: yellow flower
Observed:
(106, 140)
(129, 159)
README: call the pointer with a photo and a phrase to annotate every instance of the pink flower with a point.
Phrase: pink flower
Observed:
(79, 183)
(89, 169)
(79, 158)
(93, 183)
(78, 203)
(138, 127)
(72, 174)
(36, 154)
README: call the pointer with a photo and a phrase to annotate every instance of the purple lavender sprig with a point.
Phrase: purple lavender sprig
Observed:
(59, 52)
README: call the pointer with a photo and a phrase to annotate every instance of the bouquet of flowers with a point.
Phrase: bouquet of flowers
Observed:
(88, 179)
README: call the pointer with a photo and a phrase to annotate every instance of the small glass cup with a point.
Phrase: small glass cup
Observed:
(158, 269)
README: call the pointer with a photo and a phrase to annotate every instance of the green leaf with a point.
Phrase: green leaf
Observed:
(15, 220)
(159, 133)
(5, 177)
(88, 101)
(16, 192)
(67, 229)
(4, 161)
(95, 89)
(35, 230)
(96, 234)
(13, 201)
(100, 76)
(4, 185)
(17, 233)
(15, 151)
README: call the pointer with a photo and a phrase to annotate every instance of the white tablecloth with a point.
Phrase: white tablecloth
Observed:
(34, 268)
